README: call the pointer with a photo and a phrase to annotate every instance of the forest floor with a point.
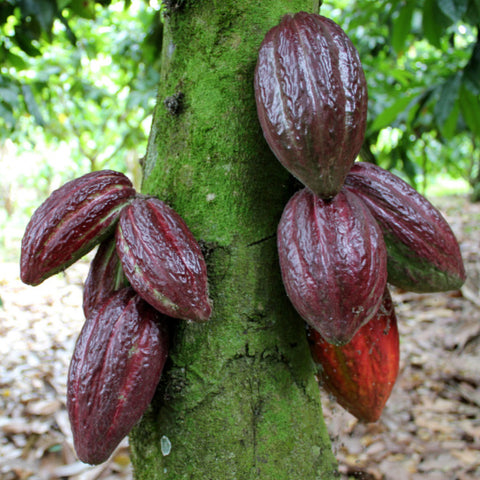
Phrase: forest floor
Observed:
(429, 430)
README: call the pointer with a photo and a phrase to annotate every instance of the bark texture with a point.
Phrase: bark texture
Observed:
(238, 399)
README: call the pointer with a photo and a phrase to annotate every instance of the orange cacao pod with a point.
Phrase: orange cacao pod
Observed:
(362, 373)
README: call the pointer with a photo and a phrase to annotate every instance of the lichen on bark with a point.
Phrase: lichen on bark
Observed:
(238, 399)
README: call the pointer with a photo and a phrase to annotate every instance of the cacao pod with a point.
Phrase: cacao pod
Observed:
(311, 99)
(116, 365)
(162, 260)
(362, 373)
(71, 221)
(333, 262)
(105, 276)
(423, 253)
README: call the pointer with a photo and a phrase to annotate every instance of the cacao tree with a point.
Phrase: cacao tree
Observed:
(238, 397)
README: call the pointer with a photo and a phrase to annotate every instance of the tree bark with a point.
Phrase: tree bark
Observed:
(238, 398)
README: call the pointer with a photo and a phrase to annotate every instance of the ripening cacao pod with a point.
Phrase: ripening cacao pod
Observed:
(162, 260)
(362, 373)
(333, 262)
(311, 99)
(423, 253)
(105, 276)
(71, 221)
(116, 365)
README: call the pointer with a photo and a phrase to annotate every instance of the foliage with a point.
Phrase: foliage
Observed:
(86, 71)
(422, 61)
(77, 88)
(79, 71)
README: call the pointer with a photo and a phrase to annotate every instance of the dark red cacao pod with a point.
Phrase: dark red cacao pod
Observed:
(311, 99)
(423, 253)
(71, 221)
(105, 276)
(116, 365)
(333, 262)
(362, 373)
(162, 260)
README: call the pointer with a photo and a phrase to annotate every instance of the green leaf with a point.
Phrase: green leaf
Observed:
(44, 11)
(409, 168)
(24, 41)
(455, 9)
(470, 110)
(5, 11)
(472, 15)
(31, 105)
(446, 109)
(449, 128)
(390, 114)
(402, 26)
(84, 8)
(16, 61)
(422, 100)
(472, 69)
(434, 22)
(6, 115)
(62, 4)
(9, 95)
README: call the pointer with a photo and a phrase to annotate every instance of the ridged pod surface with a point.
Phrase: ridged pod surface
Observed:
(162, 260)
(333, 262)
(105, 276)
(361, 374)
(423, 253)
(71, 221)
(116, 365)
(311, 99)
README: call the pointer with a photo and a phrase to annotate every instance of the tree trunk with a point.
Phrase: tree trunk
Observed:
(238, 398)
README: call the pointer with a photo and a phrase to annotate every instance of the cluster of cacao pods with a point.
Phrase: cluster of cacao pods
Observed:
(354, 226)
(147, 270)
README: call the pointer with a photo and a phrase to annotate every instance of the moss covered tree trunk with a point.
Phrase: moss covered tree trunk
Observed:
(238, 399)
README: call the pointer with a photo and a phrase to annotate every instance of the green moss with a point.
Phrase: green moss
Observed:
(211, 135)
(238, 399)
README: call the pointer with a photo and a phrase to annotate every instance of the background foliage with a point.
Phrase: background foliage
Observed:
(77, 89)
(422, 62)
(78, 80)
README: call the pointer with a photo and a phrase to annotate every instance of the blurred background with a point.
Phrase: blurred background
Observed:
(77, 90)
(78, 79)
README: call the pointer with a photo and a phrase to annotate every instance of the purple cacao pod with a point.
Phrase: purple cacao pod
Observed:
(333, 262)
(116, 365)
(71, 221)
(311, 99)
(423, 253)
(104, 277)
(162, 260)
